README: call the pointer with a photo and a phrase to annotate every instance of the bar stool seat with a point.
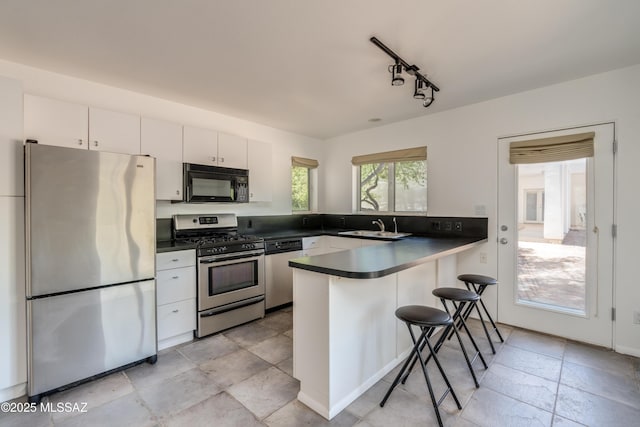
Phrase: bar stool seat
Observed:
(427, 319)
(478, 283)
(460, 299)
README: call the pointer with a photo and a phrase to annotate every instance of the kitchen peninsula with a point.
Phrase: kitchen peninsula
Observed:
(346, 336)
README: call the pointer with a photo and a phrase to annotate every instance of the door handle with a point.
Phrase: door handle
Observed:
(504, 241)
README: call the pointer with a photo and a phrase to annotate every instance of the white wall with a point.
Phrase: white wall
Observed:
(284, 144)
(462, 165)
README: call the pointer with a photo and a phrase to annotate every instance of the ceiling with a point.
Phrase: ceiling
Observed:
(308, 66)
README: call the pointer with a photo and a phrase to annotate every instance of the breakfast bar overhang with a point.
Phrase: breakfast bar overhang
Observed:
(346, 336)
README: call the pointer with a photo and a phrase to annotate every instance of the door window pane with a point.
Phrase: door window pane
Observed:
(552, 235)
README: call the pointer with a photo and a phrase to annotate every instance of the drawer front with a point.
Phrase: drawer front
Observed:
(177, 318)
(176, 284)
(311, 242)
(175, 259)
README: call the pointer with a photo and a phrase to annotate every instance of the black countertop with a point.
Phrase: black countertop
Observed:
(377, 261)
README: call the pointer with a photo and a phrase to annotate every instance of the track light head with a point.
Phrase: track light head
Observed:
(418, 92)
(428, 98)
(396, 74)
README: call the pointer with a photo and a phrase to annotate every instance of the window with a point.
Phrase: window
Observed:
(300, 188)
(301, 177)
(395, 181)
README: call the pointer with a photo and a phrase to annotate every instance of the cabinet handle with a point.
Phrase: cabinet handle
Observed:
(213, 159)
(175, 260)
(251, 195)
(175, 311)
(95, 143)
(175, 277)
(221, 159)
(79, 142)
(177, 192)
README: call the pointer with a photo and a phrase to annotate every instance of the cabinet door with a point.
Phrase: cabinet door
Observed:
(232, 151)
(54, 122)
(163, 140)
(200, 146)
(344, 242)
(260, 169)
(11, 140)
(114, 131)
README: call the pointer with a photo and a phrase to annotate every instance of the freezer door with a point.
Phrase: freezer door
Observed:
(90, 218)
(82, 334)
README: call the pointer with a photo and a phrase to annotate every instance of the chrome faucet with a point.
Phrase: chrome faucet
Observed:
(379, 223)
(395, 226)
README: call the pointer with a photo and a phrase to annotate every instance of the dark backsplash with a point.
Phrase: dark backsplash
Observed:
(418, 225)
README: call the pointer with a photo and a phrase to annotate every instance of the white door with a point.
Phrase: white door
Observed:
(556, 276)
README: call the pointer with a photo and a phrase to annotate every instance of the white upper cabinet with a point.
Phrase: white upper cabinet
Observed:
(232, 151)
(200, 146)
(54, 122)
(114, 131)
(260, 170)
(163, 140)
(11, 138)
(208, 147)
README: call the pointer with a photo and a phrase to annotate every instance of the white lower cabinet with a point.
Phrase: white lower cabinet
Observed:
(176, 297)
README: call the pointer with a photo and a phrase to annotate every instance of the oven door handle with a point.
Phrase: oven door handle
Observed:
(232, 306)
(219, 258)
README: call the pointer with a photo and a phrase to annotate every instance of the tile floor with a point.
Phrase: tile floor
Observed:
(242, 377)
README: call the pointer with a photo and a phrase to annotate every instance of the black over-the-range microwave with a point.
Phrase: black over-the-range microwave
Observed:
(204, 183)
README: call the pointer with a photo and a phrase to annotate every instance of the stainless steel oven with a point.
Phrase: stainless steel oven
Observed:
(231, 277)
(226, 283)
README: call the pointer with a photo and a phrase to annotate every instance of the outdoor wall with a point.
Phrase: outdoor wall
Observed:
(462, 165)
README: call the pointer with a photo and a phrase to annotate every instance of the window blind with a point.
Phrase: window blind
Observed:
(406, 155)
(555, 149)
(304, 163)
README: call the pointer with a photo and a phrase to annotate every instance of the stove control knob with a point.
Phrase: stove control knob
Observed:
(222, 248)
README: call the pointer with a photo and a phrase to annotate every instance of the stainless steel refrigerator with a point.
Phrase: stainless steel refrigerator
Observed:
(90, 236)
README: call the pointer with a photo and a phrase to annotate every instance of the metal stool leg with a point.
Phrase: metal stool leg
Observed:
(457, 313)
(479, 290)
(416, 349)
(421, 342)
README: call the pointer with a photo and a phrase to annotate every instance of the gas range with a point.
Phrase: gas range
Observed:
(230, 270)
(214, 234)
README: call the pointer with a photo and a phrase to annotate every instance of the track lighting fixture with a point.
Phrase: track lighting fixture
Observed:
(424, 89)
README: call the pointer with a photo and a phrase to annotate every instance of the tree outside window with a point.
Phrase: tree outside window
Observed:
(394, 186)
(300, 188)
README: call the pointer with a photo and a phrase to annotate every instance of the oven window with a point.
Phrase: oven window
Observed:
(232, 277)
(211, 187)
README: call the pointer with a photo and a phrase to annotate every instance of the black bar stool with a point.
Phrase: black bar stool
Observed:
(478, 283)
(427, 319)
(460, 299)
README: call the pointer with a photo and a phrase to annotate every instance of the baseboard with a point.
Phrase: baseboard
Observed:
(627, 350)
(13, 392)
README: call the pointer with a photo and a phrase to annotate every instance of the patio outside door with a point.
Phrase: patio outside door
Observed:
(556, 272)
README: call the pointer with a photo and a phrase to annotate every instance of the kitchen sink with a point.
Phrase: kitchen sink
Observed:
(375, 234)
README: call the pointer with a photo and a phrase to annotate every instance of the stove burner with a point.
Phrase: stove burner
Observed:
(212, 238)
